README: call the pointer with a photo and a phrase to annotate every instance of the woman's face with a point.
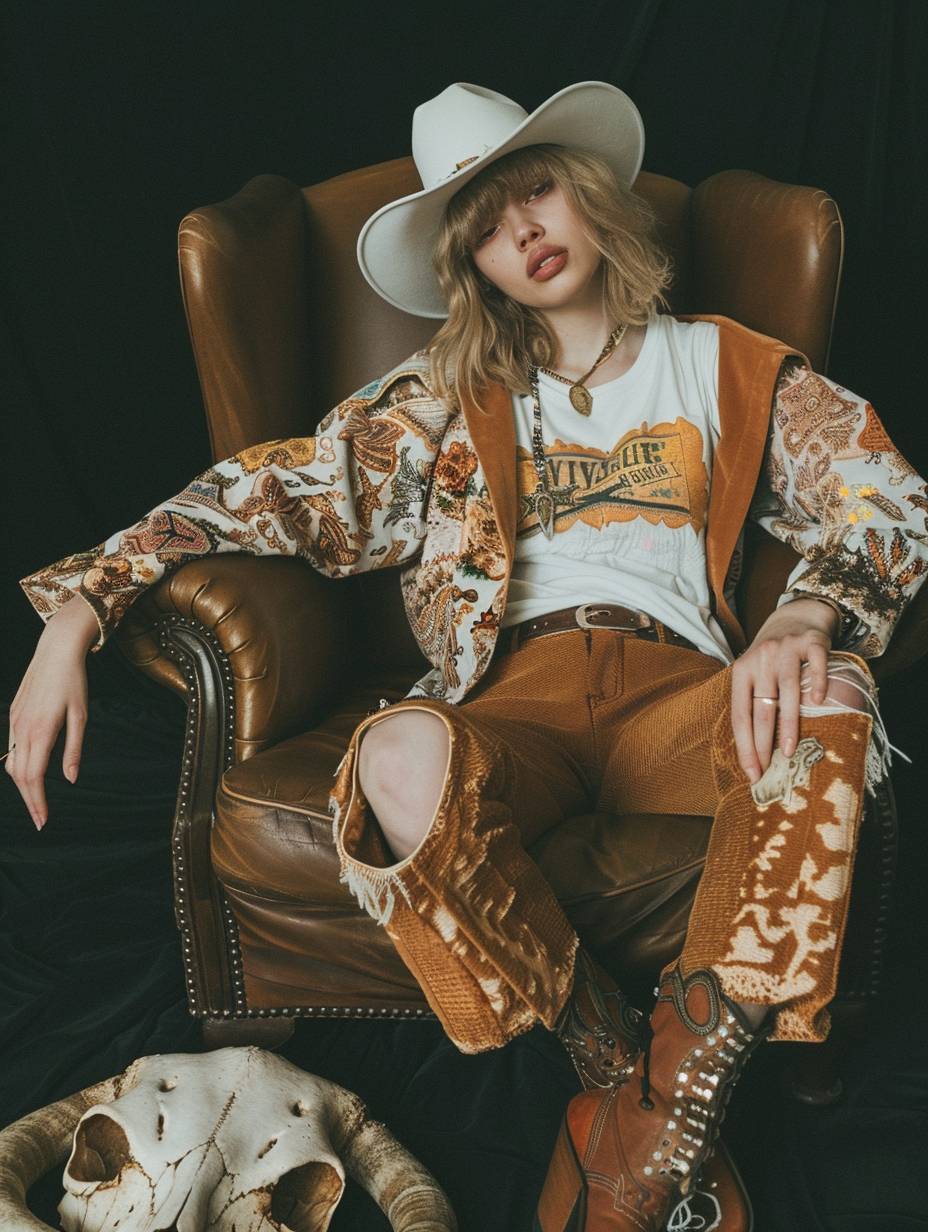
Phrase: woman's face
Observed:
(512, 252)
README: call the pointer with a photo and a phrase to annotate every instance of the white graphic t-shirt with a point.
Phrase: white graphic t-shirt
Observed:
(631, 489)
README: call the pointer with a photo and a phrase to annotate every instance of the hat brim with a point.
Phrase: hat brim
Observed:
(396, 243)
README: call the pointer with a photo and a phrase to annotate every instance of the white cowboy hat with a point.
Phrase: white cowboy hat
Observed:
(454, 136)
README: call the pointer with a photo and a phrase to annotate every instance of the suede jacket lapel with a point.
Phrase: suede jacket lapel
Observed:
(749, 365)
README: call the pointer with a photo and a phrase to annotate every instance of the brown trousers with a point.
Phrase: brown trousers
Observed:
(598, 720)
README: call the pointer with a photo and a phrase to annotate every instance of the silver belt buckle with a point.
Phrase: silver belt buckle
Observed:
(582, 619)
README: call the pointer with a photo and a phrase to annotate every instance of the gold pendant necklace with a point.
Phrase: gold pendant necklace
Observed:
(580, 397)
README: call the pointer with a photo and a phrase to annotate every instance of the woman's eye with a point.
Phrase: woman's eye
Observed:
(539, 190)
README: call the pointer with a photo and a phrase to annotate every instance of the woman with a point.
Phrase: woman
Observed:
(563, 443)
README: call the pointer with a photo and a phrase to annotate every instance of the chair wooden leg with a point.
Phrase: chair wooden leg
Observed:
(240, 1032)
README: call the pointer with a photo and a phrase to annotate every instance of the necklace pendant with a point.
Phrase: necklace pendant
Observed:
(581, 399)
(544, 508)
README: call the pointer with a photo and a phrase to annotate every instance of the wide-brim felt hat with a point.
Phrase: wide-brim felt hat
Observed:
(454, 136)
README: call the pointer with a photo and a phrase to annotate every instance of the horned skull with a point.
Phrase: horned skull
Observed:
(237, 1139)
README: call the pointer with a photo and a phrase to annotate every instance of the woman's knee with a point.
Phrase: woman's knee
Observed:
(402, 762)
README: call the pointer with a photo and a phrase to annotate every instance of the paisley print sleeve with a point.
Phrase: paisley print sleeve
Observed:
(835, 488)
(347, 499)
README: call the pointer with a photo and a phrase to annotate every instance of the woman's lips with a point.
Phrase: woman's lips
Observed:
(553, 267)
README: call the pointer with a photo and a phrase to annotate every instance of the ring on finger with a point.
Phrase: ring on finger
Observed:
(768, 701)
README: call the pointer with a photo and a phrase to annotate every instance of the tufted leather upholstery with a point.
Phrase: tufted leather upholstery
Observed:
(277, 661)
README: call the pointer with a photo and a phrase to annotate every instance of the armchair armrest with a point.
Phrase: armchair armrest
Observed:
(259, 647)
(275, 629)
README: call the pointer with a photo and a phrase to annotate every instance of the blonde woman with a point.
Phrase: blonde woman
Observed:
(543, 476)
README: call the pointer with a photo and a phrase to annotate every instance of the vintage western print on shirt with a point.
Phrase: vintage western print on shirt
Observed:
(653, 473)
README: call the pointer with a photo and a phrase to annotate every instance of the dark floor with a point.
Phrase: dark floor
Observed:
(91, 979)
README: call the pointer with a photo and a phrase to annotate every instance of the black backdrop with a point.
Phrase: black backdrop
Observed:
(129, 113)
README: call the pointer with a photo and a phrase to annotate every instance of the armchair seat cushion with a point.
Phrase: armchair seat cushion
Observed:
(626, 882)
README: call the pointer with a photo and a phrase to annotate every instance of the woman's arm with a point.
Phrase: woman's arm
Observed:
(349, 498)
(835, 488)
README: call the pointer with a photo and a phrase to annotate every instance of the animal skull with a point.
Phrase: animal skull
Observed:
(237, 1139)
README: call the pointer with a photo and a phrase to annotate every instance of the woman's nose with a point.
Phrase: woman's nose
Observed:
(526, 229)
(527, 232)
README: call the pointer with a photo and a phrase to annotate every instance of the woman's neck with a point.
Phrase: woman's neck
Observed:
(580, 329)
(581, 332)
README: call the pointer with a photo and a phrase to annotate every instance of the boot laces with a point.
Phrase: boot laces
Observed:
(645, 1101)
(684, 1219)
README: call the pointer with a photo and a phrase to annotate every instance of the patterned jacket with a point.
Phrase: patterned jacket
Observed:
(392, 476)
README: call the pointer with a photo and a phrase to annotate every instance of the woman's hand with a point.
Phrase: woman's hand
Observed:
(53, 692)
(765, 680)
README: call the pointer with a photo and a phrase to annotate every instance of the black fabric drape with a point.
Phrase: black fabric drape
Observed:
(120, 119)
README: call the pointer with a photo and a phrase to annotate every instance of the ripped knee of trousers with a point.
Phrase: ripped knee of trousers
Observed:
(851, 687)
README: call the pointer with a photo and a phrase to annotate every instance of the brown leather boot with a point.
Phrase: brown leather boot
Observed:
(600, 1028)
(627, 1157)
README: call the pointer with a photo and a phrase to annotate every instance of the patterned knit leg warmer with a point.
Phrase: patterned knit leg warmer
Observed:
(770, 911)
(468, 911)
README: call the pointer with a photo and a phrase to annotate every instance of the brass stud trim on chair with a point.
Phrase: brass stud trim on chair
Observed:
(198, 653)
(881, 824)
(200, 657)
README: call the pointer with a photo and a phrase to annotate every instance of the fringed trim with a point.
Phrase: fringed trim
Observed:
(879, 749)
(374, 888)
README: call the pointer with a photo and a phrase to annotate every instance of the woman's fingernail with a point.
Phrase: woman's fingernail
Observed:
(71, 774)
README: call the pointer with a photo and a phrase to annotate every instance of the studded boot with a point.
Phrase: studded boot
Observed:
(600, 1028)
(627, 1157)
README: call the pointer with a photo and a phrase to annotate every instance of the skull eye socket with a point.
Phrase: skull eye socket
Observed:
(101, 1150)
(305, 1197)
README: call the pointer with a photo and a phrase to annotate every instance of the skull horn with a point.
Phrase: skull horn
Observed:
(408, 1195)
(40, 1141)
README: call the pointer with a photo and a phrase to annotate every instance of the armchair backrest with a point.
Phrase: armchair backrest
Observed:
(284, 326)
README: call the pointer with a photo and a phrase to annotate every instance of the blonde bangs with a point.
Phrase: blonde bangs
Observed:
(474, 208)
(490, 337)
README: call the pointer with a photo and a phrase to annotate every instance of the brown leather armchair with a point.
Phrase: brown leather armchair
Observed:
(277, 662)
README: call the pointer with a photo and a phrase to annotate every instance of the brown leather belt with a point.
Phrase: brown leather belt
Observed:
(594, 616)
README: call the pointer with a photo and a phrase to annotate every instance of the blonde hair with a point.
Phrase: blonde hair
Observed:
(489, 336)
